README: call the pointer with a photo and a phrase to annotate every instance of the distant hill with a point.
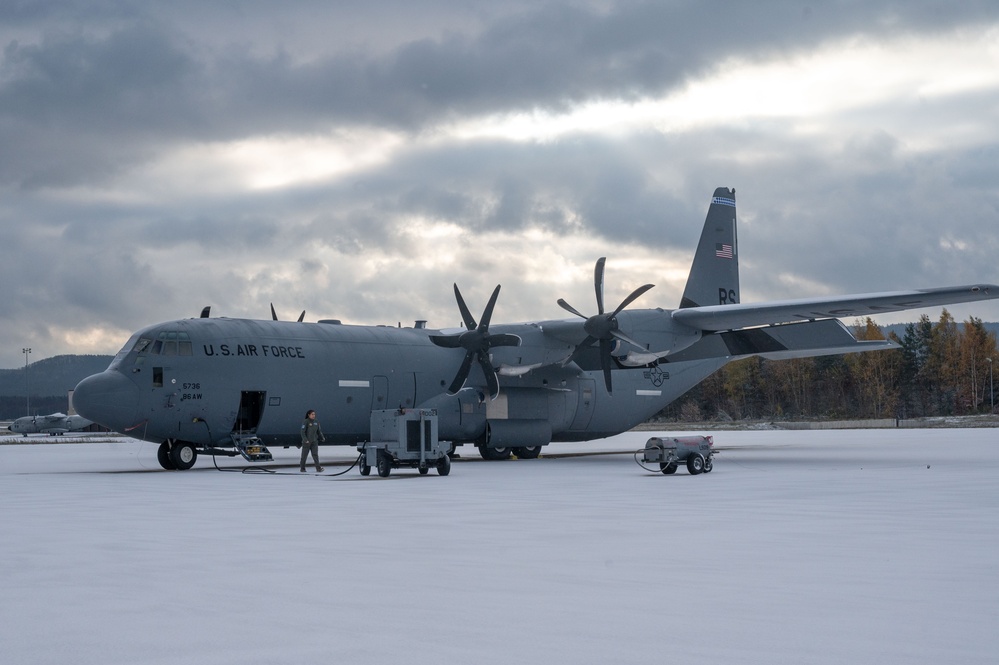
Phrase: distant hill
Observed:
(51, 376)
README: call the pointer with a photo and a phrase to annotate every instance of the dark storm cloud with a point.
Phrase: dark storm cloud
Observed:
(103, 95)
(92, 93)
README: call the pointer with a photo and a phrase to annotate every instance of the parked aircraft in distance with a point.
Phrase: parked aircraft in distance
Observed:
(54, 423)
(204, 384)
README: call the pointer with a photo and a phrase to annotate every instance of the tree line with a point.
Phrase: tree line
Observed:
(941, 369)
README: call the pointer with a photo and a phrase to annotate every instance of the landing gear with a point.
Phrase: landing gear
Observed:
(527, 452)
(176, 455)
(183, 455)
(493, 453)
(163, 456)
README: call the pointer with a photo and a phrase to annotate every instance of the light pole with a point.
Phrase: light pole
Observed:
(27, 388)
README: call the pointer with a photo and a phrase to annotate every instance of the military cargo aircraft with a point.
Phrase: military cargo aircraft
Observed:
(54, 423)
(200, 385)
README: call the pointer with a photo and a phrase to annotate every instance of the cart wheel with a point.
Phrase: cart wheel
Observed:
(667, 469)
(444, 466)
(695, 464)
(708, 465)
(423, 468)
(365, 468)
(384, 464)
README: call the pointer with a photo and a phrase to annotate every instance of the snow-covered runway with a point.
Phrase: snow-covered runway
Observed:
(808, 547)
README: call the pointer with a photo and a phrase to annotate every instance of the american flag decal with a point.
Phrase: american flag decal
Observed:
(724, 251)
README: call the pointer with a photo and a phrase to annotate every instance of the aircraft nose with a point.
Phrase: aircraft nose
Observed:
(108, 398)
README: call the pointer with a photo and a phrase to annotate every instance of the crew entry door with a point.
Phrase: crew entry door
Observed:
(251, 410)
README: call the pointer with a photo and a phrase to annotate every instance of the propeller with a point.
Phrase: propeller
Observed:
(602, 327)
(476, 340)
(301, 317)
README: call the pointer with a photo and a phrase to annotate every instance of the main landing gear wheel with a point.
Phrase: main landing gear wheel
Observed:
(163, 457)
(527, 452)
(493, 454)
(695, 464)
(444, 466)
(183, 455)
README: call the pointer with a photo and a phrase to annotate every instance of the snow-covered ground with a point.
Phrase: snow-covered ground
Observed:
(801, 547)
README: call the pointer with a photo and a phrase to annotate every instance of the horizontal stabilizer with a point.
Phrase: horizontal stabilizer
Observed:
(744, 315)
(792, 340)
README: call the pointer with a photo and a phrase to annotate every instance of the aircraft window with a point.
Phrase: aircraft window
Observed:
(170, 348)
(143, 344)
(157, 346)
(184, 345)
(158, 377)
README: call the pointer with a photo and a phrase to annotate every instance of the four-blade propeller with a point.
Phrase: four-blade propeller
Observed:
(603, 327)
(476, 340)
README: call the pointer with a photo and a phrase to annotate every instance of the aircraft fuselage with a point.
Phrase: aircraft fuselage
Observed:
(199, 380)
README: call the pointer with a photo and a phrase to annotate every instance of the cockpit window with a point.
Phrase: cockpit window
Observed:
(184, 346)
(167, 343)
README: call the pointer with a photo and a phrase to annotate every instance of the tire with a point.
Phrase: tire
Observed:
(364, 468)
(708, 465)
(667, 469)
(183, 455)
(493, 454)
(423, 469)
(444, 466)
(527, 452)
(163, 456)
(384, 464)
(695, 464)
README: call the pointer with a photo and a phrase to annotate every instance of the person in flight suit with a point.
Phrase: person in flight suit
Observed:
(312, 436)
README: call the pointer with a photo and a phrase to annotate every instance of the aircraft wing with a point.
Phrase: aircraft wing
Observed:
(744, 315)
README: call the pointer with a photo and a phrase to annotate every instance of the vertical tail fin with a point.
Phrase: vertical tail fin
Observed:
(714, 274)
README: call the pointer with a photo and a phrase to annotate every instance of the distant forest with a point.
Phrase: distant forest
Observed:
(943, 368)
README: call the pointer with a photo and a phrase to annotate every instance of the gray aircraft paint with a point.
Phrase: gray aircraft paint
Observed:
(199, 380)
(54, 423)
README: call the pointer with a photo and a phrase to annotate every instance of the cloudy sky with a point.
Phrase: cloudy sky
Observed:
(353, 159)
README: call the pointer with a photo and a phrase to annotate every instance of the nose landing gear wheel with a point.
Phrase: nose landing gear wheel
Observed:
(183, 455)
(163, 456)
